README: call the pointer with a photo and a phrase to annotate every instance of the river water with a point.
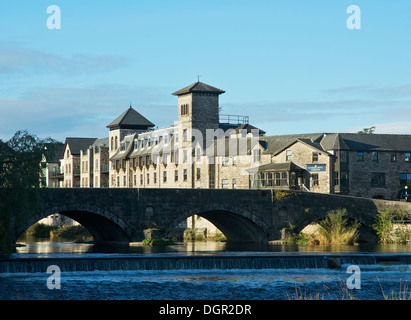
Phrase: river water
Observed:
(115, 272)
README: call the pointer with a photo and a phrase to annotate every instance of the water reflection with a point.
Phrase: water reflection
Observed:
(43, 248)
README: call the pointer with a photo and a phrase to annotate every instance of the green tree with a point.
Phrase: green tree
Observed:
(20, 176)
(367, 130)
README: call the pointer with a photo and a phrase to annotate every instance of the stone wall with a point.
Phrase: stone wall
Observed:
(360, 174)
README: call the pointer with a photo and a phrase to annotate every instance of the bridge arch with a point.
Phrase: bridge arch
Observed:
(103, 225)
(237, 224)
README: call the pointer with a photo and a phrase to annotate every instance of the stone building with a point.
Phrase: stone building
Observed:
(363, 165)
(205, 149)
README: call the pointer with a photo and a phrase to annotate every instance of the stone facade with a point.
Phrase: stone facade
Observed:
(200, 152)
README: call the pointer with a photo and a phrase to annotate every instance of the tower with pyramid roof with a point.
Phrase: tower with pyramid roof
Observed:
(198, 108)
(130, 121)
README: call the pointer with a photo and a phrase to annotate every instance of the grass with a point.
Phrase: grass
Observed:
(344, 293)
(336, 228)
(401, 294)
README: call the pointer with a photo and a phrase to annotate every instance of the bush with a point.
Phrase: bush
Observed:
(42, 231)
(72, 233)
(336, 228)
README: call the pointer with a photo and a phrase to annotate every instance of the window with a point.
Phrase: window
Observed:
(234, 183)
(234, 160)
(124, 181)
(360, 156)
(289, 155)
(148, 178)
(315, 156)
(257, 155)
(141, 179)
(405, 179)
(377, 180)
(198, 173)
(118, 181)
(393, 156)
(155, 177)
(185, 135)
(135, 179)
(343, 156)
(165, 176)
(176, 175)
(185, 174)
(374, 156)
(184, 109)
(315, 181)
(284, 178)
(225, 161)
(224, 184)
(336, 178)
(407, 156)
(185, 156)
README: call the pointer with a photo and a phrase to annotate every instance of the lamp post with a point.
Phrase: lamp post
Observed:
(406, 194)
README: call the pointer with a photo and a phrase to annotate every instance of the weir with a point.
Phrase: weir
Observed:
(34, 265)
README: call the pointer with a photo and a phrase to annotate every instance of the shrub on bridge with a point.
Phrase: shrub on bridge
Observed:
(336, 229)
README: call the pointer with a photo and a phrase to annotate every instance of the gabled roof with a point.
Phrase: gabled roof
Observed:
(77, 144)
(365, 142)
(53, 152)
(276, 144)
(198, 87)
(102, 142)
(129, 119)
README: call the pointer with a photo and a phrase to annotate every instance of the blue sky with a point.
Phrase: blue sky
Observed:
(291, 66)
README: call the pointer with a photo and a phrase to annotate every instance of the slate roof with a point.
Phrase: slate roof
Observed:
(102, 142)
(341, 141)
(276, 144)
(77, 144)
(123, 154)
(367, 142)
(278, 166)
(245, 126)
(130, 118)
(198, 87)
(54, 152)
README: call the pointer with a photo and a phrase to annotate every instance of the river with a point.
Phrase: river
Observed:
(248, 271)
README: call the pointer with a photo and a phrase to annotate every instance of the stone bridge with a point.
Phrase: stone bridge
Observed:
(122, 214)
